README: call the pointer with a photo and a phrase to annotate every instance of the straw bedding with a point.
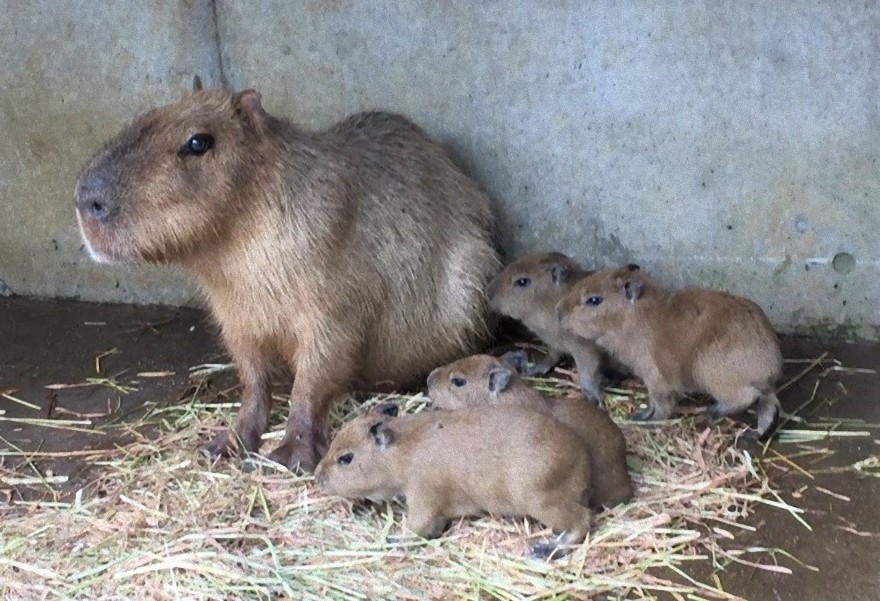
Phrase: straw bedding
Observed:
(162, 522)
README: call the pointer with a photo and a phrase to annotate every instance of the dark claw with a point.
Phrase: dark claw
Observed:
(643, 415)
(715, 411)
(754, 435)
(546, 551)
(218, 447)
(592, 393)
(536, 371)
(519, 360)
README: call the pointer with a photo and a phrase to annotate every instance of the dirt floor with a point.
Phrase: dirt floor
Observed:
(55, 342)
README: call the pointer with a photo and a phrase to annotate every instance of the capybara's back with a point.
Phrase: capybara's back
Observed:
(420, 243)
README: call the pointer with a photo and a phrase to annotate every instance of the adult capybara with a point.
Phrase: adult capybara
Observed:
(507, 461)
(356, 255)
(697, 340)
(528, 290)
(481, 380)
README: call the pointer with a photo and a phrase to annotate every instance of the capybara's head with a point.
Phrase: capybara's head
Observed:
(169, 183)
(469, 382)
(357, 464)
(532, 283)
(600, 302)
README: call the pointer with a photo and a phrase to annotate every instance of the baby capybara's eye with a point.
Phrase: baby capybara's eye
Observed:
(345, 459)
(198, 145)
(595, 300)
(458, 381)
(523, 282)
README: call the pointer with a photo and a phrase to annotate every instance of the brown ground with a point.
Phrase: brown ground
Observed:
(48, 342)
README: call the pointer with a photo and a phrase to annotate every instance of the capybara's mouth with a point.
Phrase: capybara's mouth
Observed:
(100, 240)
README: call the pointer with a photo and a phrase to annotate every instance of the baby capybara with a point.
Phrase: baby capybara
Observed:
(356, 255)
(507, 461)
(481, 380)
(528, 290)
(684, 341)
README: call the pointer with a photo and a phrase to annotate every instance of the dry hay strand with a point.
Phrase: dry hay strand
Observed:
(162, 522)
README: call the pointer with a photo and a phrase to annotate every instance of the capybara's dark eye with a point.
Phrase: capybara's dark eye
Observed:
(199, 144)
(345, 459)
(595, 300)
(458, 381)
(522, 282)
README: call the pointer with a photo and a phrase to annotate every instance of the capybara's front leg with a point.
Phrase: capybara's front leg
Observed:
(316, 388)
(253, 417)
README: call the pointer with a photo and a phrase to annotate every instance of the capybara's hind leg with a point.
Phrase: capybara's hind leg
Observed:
(767, 411)
(253, 416)
(737, 401)
(572, 523)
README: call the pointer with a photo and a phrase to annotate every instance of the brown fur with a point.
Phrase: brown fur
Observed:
(482, 380)
(548, 277)
(355, 256)
(686, 341)
(507, 461)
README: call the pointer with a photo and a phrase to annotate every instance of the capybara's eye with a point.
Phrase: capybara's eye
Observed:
(345, 459)
(458, 381)
(198, 144)
(522, 282)
(595, 300)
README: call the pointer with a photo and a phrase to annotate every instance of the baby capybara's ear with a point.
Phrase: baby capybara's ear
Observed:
(559, 273)
(518, 359)
(248, 105)
(632, 289)
(382, 435)
(389, 409)
(499, 379)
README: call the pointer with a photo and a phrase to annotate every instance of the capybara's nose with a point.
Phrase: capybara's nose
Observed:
(492, 289)
(93, 198)
(320, 476)
(432, 377)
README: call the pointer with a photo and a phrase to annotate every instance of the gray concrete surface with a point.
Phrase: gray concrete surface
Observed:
(726, 144)
(73, 73)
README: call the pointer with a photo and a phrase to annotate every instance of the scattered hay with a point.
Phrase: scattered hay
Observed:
(162, 522)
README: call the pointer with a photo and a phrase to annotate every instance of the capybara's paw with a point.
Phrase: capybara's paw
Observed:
(546, 551)
(302, 456)
(751, 435)
(716, 411)
(537, 370)
(591, 391)
(221, 445)
(643, 415)
(756, 436)
(519, 360)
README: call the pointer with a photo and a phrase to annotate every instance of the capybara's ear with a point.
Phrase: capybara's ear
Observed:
(517, 359)
(197, 83)
(632, 289)
(499, 378)
(632, 267)
(248, 105)
(382, 435)
(389, 409)
(559, 273)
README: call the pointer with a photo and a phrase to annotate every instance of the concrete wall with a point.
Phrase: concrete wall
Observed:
(724, 144)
